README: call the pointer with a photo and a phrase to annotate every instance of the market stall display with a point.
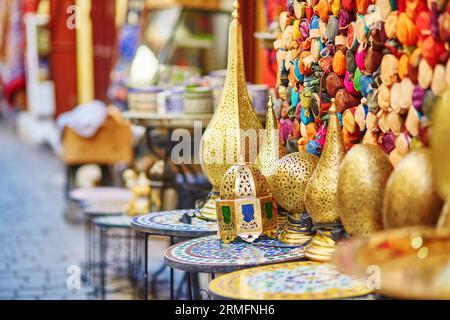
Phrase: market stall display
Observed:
(344, 193)
(359, 72)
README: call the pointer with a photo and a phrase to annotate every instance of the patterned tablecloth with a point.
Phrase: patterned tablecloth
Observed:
(167, 223)
(288, 281)
(210, 255)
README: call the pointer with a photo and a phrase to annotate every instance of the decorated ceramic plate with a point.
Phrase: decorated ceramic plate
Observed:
(288, 281)
(410, 263)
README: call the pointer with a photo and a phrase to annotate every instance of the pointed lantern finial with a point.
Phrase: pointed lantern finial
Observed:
(333, 108)
(270, 103)
(236, 7)
(270, 150)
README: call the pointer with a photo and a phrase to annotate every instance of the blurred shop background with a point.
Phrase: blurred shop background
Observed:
(70, 67)
(72, 74)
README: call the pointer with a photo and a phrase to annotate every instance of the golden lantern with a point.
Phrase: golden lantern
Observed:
(410, 198)
(321, 192)
(246, 208)
(362, 181)
(289, 181)
(270, 147)
(441, 154)
(234, 127)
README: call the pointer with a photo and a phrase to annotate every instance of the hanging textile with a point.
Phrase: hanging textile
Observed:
(12, 71)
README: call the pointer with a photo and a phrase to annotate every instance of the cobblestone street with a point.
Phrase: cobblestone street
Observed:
(36, 244)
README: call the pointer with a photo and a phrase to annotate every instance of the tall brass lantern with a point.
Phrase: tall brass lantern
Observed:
(321, 193)
(234, 129)
(270, 147)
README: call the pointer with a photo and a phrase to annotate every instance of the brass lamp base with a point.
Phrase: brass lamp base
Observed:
(282, 218)
(321, 248)
(209, 210)
(323, 244)
(444, 220)
(295, 232)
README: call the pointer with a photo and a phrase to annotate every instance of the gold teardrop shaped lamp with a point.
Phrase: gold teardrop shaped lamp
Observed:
(232, 135)
(321, 192)
(440, 155)
(289, 181)
(410, 198)
(270, 147)
(362, 180)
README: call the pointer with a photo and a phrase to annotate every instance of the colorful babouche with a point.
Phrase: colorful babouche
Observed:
(385, 62)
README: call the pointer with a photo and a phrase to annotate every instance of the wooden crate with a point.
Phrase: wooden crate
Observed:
(111, 144)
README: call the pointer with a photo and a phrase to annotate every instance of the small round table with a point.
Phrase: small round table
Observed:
(92, 211)
(288, 281)
(169, 224)
(211, 255)
(106, 224)
(101, 195)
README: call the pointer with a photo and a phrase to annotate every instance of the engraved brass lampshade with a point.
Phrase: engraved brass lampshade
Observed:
(362, 180)
(270, 147)
(410, 198)
(441, 154)
(289, 181)
(246, 208)
(234, 129)
(321, 192)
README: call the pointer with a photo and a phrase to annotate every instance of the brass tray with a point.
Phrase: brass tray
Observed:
(408, 263)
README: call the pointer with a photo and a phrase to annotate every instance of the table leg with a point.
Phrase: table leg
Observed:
(145, 266)
(196, 286)
(103, 250)
(129, 264)
(87, 251)
(154, 280)
(136, 263)
(94, 241)
(171, 274)
(179, 291)
(189, 285)
(213, 276)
